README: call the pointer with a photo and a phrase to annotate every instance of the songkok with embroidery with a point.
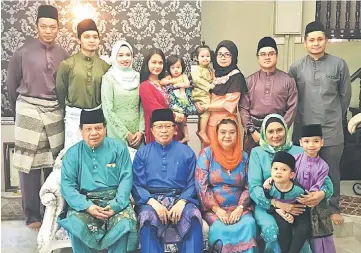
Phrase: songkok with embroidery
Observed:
(315, 26)
(92, 116)
(267, 42)
(86, 25)
(285, 158)
(47, 11)
(162, 115)
(312, 130)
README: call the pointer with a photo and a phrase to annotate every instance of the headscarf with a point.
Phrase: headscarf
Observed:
(229, 160)
(228, 79)
(263, 140)
(127, 78)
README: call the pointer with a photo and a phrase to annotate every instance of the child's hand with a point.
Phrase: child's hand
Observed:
(286, 216)
(268, 183)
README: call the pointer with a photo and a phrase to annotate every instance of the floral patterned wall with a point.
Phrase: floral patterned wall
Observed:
(171, 25)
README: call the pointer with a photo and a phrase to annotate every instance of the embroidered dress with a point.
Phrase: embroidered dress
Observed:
(226, 189)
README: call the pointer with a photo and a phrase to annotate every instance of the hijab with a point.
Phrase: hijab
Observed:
(263, 140)
(228, 159)
(126, 77)
(228, 79)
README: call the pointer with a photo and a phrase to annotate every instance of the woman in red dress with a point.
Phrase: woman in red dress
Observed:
(153, 95)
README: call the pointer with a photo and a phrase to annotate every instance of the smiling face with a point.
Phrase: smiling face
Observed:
(93, 134)
(276, 134)
(281, 173)
(155, 64)
(224, 57)
(267, 58)
(316, 43)
(311, 145)
(89, 41)
(227, 135)
(47, 29)
(124, 57)
(204, 57)
(163, 132)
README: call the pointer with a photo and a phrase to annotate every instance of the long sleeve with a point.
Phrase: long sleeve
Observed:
(107, 95)
(292, 102)
(202, 183)
(327, 187)
(14, 76)
(244, 110)
(321, 175)
(149, 100)
(189, 192)
(292, 72)
(139, 192)
(62, 82)
(69, 184)
(344, 87)
(141, 118)
(255, 182)
(199, 81)
(121, 199)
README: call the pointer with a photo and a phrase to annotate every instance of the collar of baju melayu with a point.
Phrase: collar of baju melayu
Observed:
(306, 158)
(87, 58)
(43, 45)
(164, 147)
(268, 73)
(91, 149)
(320, 59)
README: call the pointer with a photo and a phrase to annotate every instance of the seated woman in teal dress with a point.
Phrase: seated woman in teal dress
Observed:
(221, 180)
(275, 137)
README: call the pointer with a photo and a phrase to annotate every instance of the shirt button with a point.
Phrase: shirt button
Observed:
(267, 92)
(89, 79)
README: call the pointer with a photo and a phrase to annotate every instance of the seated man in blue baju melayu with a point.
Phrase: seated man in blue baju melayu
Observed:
(96, 180)
(164, 191)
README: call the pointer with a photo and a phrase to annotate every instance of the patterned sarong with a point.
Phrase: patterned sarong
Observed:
(39, 133)
(101, 234)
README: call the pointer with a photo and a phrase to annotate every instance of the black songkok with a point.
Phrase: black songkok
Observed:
(92, 116)
(162, 115)
(47, 11)
(267, 42)
(86, 25)
(312, 130)
(285, 158)
(315, 26)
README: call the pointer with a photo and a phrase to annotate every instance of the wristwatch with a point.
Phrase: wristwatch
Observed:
(251, 130)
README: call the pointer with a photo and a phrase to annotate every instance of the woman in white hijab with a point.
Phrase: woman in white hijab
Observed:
(120, 97)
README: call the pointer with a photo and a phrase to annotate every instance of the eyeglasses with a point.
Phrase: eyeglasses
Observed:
(225, 55)
(270, 54)
(160, 127)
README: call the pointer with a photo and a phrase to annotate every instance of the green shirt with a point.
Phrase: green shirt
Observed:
(78, 81)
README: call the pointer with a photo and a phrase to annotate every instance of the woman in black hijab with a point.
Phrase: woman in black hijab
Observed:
(229, 85)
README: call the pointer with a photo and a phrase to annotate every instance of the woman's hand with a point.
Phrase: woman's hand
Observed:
(294, 209)
(179, 117)
(199, 107)
(130, 138)
(222, 215)
(268, 183)
(236, 215)
(137, 138)
(286, 216)
(311, 199)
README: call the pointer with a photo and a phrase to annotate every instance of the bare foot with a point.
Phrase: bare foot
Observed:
(35, 226)
(203, 136)
(337, 218)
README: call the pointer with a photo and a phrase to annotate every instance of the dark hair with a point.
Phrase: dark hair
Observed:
(144, 72)
(173, 59)
(195, 54)
(227, 121)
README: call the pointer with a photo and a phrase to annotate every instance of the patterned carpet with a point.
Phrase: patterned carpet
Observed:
(351, 205)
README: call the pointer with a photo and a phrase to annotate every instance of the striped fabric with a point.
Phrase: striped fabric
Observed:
(39, 133)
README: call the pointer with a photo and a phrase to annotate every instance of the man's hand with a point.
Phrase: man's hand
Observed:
(311, 199)
(176, 211)
(161, 210)
(236, 215)
(108, 211)
(286, 216)
(256, 136)
(294, 209)
(222, 215)
(97, 212)
(268, 183)
(137, 138)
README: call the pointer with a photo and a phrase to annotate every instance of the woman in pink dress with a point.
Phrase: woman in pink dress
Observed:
(152, 94)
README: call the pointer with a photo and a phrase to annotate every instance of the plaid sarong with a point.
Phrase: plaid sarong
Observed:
(39, 133)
